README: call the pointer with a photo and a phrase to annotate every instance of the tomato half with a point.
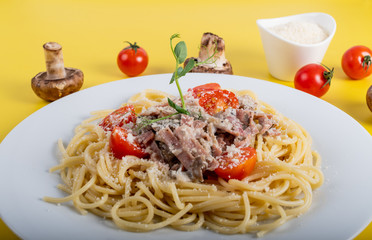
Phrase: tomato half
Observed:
(314, 79)
(123, 144)
(238, 166)
(356, 62)
(119, 117)
(196, 91)
(218, 100)
(132, 60)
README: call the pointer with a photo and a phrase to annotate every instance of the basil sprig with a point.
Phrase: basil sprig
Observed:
(180, 55)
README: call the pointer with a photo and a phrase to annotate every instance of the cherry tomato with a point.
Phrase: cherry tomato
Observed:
(118, 118)
(214, 101)
(132, 60)
(123, 144)
(314, 79)
(238, 166)
(356, 62)
(196, 91)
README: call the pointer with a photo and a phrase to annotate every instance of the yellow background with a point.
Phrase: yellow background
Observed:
(93, 32)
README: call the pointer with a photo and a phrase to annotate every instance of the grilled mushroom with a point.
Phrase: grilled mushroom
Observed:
(57, 81)
(369, 98)
(218, 63)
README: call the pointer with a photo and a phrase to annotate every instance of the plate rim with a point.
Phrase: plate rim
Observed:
(90, 89)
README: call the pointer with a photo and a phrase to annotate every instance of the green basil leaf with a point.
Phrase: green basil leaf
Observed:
(179, 71)
(171, 103)
(177, 108)
(183, 111)
(190, 65)
(172, 79)
(181, 51)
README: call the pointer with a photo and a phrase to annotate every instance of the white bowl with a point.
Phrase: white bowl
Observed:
(284, 57)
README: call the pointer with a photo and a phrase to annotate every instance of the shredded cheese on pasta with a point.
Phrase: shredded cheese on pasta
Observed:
(139, 194)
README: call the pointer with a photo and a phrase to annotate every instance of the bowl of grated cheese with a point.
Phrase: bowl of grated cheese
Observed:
(293, 41)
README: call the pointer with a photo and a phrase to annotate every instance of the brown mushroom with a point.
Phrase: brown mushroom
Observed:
(57, 81)
(218, 63)
(369, 98)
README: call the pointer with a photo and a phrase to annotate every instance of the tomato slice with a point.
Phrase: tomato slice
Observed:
(237, 166)
(218, 100)
(123, 144)
(198, 90)
(119, 117)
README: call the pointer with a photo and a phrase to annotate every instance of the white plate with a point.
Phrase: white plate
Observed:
(341, 207)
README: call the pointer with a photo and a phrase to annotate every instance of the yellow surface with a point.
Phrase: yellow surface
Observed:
(93, 32)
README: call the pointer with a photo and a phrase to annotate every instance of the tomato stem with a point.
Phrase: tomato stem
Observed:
(133, 46)
(328, 75)
(366, 62)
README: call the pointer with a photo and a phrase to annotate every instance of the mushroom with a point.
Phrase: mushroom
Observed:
(57, 81)
(369, 98)
(218, 63)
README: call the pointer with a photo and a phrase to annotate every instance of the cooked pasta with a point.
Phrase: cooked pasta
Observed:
(143, 195)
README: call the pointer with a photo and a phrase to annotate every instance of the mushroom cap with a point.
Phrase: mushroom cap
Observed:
(51, 90)
(369, 98)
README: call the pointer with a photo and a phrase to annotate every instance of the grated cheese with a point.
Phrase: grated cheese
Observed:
(130, 138)
(301, 32)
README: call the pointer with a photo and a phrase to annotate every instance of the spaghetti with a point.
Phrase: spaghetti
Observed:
(144, 195)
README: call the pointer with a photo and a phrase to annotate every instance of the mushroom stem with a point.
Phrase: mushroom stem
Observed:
(54, 61)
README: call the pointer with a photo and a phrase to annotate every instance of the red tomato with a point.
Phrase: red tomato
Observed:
(356, 62)
(218, 100)
(123, 144)
(314, 79)
(239, 166)
(132, 60)
(118, 118)
(204, 88)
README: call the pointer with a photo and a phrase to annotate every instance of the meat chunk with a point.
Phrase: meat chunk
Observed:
(247, 103)
(215, 146)
(192, 143)
(145, 138)
(183, 143)
(166, 136)
(227, 121)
